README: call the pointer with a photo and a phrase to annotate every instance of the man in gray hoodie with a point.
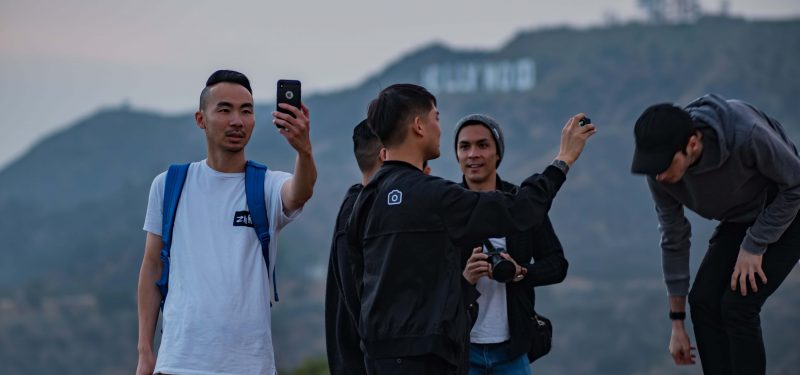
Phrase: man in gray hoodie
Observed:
(728, 161)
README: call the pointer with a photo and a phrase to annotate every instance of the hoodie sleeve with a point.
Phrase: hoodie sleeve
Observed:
(676, 233)
(777, 160)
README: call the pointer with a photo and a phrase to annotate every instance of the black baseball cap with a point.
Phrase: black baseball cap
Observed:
(660, 132)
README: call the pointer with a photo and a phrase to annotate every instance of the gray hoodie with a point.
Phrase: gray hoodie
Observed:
(749, 172)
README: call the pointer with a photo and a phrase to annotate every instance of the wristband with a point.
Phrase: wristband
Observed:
(677, 315)
(562, 165)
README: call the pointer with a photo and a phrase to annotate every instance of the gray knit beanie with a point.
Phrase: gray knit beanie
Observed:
(490, 124)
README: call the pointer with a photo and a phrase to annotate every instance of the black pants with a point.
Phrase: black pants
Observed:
(727, 325)
(419, 365)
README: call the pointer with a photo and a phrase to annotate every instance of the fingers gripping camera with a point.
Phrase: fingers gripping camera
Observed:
(503, 270)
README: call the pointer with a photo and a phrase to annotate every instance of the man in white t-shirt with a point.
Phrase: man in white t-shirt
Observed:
(216, 319)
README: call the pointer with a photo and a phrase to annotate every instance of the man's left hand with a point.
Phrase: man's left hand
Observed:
(519, 271)
(747, 266)
(295, 128)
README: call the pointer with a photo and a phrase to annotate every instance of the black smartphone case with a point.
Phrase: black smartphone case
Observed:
(289, 93)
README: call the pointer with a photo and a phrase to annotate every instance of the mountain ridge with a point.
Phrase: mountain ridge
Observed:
(74, 204)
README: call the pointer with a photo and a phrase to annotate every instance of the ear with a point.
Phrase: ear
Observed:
(417, 126)
(382, 154)
(695, 141)
(200, 119)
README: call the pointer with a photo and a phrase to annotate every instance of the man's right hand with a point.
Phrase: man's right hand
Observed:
(680, 347)
(573, 139)
(477, 266)
(147, 363)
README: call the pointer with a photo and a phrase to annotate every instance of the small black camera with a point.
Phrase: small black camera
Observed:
(503, 270)
(585, 120)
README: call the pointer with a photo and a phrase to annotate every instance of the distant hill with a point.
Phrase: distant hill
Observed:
(73, 206)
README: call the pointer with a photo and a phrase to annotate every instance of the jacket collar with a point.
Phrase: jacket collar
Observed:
(503, 186)
(398, 163)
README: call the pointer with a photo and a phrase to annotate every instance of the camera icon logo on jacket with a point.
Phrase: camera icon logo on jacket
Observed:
(395, 197)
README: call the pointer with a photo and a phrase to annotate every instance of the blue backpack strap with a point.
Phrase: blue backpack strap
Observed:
(254, 190)
(176, 175)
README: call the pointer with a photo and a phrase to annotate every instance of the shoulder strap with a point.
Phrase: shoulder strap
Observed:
(254, 190)
(176, 175)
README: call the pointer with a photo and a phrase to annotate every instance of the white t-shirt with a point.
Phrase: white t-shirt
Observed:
(216, 318)
(491, 327)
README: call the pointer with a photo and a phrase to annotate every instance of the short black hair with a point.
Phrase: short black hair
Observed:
(394, 107)
(366, 147)
(220, 76)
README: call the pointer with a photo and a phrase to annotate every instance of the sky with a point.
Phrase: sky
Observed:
(62, 60)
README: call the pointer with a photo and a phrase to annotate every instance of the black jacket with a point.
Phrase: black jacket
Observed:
(406, 235)
(540, 243)
(341, 304)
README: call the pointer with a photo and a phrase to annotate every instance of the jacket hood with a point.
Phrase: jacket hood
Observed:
(712, 115)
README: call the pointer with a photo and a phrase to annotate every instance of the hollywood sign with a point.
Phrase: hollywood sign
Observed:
(490, 76)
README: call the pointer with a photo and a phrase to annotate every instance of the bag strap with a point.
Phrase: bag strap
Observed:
(254, 177)
(254, 190)
(176, 175)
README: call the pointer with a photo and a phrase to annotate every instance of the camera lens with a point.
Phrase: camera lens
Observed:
(503, 270)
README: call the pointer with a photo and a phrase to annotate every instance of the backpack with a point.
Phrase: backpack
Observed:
(254, 190)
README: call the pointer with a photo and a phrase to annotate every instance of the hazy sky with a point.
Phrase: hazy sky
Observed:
(61, 60)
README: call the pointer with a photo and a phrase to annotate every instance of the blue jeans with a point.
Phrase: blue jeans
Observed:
(493, 359)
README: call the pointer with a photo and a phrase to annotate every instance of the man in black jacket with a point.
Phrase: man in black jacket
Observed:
(341, 305)
(501, 336)
(407, 229)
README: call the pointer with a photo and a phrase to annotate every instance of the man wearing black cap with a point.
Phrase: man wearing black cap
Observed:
(724, 160)
(501, 336)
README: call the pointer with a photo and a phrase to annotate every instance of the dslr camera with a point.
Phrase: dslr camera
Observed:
(503, 270)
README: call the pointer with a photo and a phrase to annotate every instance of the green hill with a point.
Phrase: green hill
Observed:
(73, 206)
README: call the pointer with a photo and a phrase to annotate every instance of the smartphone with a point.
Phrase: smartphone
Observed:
(289, 93)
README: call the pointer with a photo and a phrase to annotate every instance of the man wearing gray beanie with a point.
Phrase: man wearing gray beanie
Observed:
(491, 124)
(500, 339)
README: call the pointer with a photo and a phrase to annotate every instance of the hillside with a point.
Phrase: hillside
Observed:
(73, 206)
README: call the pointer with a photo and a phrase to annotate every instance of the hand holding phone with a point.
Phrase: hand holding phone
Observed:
(289, 93)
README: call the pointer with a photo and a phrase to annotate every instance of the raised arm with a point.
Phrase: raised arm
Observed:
(296, 129)
(472, 216)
